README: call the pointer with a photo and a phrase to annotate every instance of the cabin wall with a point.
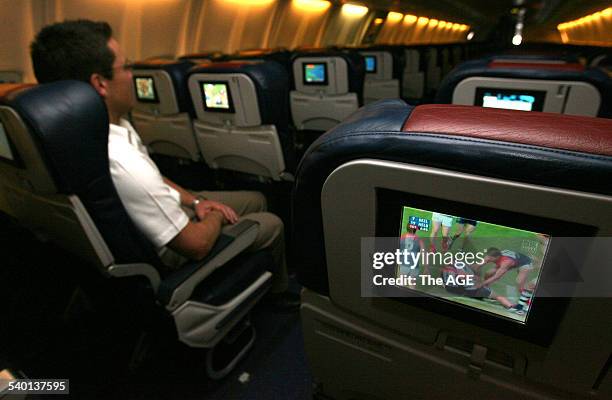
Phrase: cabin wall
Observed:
(594, 29)
(411, 29)
(16, 33)
(345, 28)
(297, 24)
(150, 28)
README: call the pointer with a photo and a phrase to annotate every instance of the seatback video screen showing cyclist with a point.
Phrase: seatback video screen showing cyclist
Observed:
(489, 267)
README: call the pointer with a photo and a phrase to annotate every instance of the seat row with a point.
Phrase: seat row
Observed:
(241, 114)
(236, 114)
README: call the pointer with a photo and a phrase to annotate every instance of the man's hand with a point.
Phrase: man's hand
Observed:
(206, 206)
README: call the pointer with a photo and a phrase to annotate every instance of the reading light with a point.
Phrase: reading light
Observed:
(312, 5)
(517, 40)
(251, 2)
(394, 17)
(410, 19)
(423, 20)
(470, 36)
(354, 10)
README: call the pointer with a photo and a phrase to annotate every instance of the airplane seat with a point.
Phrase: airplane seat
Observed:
(328, 87)
(602, 61)
(242, 119)
(446, 62)
(55, 172)
(383, 74)
(457, 55)
(280, 55)
(163, 112)
(533, 83)
(433, 71)
(552, 57)
(204, 57)
(413, 85)
(489, 164)
(11, 77)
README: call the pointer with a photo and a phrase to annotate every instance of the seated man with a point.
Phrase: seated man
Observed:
(182, 225)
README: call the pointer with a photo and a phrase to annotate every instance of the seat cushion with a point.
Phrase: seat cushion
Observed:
(233, 278)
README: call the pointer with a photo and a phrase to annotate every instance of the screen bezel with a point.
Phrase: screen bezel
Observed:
(539, 95)
(546, 312)
(230, 110)
(365, 59)
(16, 161)
(325, 77)
(155, 97)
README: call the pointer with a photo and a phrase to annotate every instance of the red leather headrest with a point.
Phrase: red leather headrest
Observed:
(156, 61)
(226, 64)
(537, 65)
(556, 131)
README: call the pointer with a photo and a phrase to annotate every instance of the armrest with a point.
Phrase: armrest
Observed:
(146, 270)
(178, 286)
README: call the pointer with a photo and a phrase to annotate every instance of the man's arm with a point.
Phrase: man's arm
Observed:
(204, 206)
(197, 238)
(186, 197)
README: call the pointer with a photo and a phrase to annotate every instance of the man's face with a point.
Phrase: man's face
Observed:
(120, 97)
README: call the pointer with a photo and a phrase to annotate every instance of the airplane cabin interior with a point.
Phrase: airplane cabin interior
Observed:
(428, 184)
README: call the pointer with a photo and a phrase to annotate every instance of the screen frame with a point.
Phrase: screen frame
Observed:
(365, 60)
(16, 161)
(539, 95)
(155, 96)
(325, 81)
(545, 314)
(230, 110)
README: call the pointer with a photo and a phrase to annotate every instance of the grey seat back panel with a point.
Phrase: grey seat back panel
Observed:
(33, 175)
(170, 135)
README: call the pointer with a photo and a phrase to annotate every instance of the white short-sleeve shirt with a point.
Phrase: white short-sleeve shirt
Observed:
(153, 206)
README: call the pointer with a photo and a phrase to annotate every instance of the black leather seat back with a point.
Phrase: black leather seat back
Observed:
(69, 123)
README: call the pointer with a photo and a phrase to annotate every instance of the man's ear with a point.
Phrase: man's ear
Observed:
(99, 83)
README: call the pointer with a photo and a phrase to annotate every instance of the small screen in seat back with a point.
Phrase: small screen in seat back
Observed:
(510, 99)
(217, 96)
(315, 73)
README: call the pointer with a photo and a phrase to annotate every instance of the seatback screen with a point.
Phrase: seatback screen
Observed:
(510, 99)
(484, 266)
(315, 73)
(5, 147)
(370, 63)
(145, 89)
(217, 96)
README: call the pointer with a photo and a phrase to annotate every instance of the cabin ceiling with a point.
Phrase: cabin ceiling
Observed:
(542, 16)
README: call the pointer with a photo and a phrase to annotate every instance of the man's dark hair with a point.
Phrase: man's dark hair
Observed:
(72, 50)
